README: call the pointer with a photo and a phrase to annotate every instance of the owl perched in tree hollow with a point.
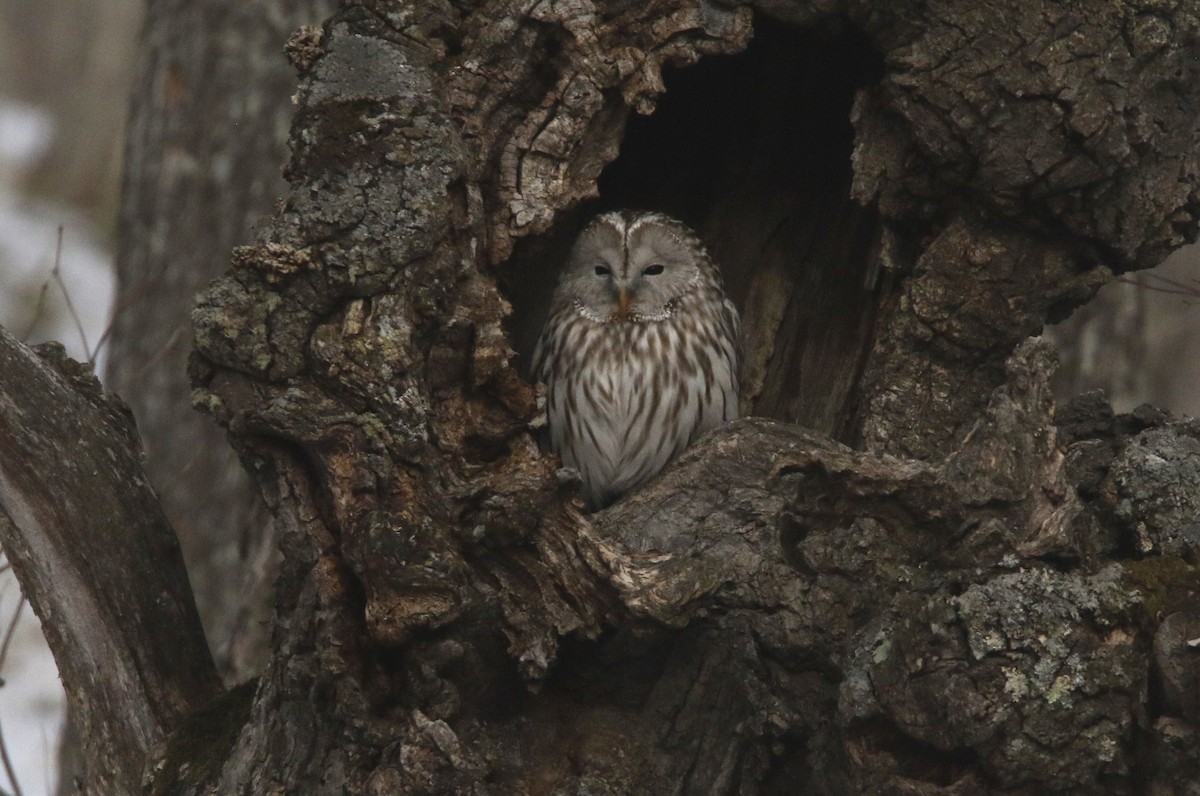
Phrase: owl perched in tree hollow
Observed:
(639, 352)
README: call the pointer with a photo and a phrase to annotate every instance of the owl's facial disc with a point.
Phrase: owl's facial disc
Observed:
(627, 294)
(630, 269)
(620, 290)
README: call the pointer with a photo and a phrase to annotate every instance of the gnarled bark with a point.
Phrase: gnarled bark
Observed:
(1015, 159)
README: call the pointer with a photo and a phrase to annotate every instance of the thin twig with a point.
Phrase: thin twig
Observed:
(57, 276)
(1176, 288)
(180, 332)
(8, 634)
(8, 766)
(38, 309)
(135, 295)
(47, 764)
(1172, 281)
(4, 647)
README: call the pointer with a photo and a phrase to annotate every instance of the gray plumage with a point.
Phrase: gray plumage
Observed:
(639, 352)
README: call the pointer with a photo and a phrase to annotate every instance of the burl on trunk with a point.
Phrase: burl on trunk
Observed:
(901, 573)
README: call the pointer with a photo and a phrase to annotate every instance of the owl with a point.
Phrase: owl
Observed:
(639, 353)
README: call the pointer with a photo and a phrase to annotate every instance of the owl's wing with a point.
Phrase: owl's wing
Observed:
(731, 324)
(539, 371)
(539, 353)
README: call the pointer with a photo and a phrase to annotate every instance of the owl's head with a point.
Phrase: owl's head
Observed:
(634, 266)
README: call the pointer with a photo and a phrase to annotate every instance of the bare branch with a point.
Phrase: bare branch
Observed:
(4, 648)
(38, 310)
(12, 627)
(56, 275)
(1167, 285)
(9, 769)
(98, 562)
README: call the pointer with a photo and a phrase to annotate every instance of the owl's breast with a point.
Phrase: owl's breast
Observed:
(635, 387)
(625, 398)
(613, 370)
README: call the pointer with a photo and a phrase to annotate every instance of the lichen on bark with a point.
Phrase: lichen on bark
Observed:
(936, 609)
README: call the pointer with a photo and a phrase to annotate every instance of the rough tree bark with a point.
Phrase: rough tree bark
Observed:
(82, 527)
(931, 589)
(206, 145)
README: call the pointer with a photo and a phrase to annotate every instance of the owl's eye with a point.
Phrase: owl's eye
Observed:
(602, 270)
(653, 270)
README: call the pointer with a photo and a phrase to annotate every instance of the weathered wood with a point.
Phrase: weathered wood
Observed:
(99, 563)
(965, 601)
(778, 612)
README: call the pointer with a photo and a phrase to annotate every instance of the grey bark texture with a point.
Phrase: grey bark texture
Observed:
(204, 154)
(907, 576)
(98, 561)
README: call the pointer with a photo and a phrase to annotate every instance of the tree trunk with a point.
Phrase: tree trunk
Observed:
(902, 576)
(206, 146)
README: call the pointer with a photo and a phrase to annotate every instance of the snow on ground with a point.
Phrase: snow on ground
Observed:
(31, 699)
(29, 232)
(25, 135)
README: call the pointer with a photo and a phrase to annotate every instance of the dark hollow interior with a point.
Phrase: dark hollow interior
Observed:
(752, 151)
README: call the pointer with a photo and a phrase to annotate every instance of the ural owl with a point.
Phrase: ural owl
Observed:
(639, 352)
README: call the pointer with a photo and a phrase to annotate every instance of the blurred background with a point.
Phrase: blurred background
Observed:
(66, 72)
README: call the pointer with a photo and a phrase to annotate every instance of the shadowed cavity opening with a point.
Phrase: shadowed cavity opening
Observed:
(753, 152)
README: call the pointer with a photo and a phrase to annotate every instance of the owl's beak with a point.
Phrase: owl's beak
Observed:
(623, 301)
